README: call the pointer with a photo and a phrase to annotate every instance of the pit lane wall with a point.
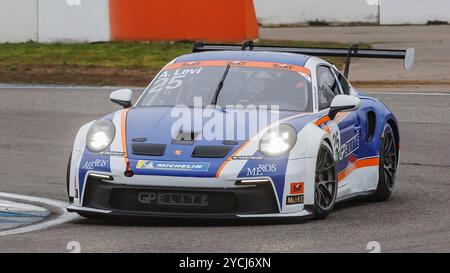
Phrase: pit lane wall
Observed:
(218, 20)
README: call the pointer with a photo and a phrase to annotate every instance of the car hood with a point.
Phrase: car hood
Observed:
(154, 125)
(160, 125)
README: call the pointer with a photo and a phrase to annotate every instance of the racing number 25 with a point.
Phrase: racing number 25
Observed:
(167, 83)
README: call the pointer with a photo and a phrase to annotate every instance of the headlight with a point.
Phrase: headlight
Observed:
(100, 135)
(278, 141)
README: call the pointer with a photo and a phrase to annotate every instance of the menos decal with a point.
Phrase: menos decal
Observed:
(262, 169)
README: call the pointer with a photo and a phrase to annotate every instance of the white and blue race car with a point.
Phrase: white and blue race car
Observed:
(239, 132)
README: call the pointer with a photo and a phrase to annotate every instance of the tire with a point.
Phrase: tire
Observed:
(326, 184)
(388, 166)
(68, 178)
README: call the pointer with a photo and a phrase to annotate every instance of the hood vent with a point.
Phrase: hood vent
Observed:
(210, 151)
(148, 149)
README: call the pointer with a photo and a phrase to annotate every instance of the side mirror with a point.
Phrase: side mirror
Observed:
(343, 103)
(122, 97)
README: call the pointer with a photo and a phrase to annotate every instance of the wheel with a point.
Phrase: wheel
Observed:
(388, 166)
(68, 178)
(326, 184)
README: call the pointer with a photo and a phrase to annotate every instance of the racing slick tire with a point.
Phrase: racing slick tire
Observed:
(387, 167)
(326, 183)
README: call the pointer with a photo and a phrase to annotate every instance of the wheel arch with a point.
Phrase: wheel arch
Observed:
(396, 131)
(309, 141)
(76, 153)
(395, 128)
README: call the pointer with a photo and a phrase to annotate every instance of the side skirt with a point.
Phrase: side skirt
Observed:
(355, 195)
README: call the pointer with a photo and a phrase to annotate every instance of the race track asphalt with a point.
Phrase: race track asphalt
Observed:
(38, 126)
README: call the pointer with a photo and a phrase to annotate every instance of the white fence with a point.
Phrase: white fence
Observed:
(73, 20)
(88, 20)
(414, 11)
(275, 12)
(54, 20)
(18, 20)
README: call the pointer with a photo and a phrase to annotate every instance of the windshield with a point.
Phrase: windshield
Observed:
(258, 85)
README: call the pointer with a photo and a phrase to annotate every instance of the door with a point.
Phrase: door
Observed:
(345, 128)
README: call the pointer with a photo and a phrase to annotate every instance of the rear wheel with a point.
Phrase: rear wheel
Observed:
(388, 166)
(326, 184)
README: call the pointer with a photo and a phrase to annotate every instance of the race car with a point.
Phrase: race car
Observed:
(239, 132)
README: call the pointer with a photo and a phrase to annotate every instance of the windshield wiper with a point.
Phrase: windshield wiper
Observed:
(220, 86)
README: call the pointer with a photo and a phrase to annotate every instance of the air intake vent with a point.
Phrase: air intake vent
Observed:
(148, 149)
(211, 151)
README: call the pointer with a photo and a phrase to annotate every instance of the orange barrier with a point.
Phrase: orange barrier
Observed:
(172, 20)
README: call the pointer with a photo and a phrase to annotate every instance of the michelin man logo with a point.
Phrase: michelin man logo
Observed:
(73, 2)
(374, 2)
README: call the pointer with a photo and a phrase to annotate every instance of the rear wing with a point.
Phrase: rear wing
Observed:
(352, 52)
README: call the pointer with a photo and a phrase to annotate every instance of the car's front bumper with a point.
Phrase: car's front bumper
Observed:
(304, 215)
(110, 198)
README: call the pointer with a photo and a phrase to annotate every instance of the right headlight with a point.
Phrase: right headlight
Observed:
(100, 136)
(278, 141)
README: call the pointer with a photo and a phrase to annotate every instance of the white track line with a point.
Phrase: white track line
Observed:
(110, 88)
(63, 215)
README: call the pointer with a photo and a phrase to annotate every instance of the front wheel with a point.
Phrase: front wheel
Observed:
(326, 184)
(388, 166)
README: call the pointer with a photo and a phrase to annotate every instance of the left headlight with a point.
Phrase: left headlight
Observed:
(100, 135)
(278, 141)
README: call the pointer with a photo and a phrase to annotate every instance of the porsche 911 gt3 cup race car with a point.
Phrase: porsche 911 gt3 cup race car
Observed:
(239, 132)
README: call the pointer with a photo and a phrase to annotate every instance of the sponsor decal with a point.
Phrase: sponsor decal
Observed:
(237, 63)
(336, 138)
(172, 165)
(195, 63)
(113, 153)
(297, 188)
(349, 147)
(181, 199)
(93, 164)
(283, 66)
(340, 150)
(262, 169)
(294, 199)
(247, 157)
